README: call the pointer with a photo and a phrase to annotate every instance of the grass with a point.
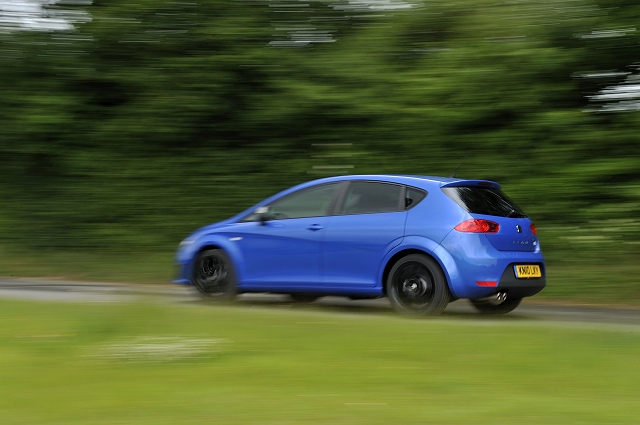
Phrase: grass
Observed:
(595, 263)
(203, 364)
(614, 282)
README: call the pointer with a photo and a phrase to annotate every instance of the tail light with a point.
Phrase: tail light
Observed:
(534, 230)
(478, 226)
(486, 283)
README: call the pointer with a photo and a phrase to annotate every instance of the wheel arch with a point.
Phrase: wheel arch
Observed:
(222, 243)
(429, 249)
(397, 256)
(207, 246)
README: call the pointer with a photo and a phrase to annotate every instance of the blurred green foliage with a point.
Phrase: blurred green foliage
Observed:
(157, 117)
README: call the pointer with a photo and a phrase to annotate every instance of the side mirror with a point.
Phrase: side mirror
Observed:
(263, 214)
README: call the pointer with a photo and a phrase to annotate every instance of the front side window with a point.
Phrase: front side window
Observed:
(311, 202)
(372, 197)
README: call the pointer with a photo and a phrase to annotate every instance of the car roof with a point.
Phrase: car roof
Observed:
(422, 182)
(411, 180)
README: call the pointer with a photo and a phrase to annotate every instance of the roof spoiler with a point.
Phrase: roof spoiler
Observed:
(467, 183)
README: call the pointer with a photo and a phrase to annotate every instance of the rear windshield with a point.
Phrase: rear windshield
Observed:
(484, 200)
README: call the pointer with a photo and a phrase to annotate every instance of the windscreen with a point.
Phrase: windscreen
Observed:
(484, 200)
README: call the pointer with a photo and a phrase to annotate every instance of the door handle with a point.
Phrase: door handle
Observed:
(315, 227)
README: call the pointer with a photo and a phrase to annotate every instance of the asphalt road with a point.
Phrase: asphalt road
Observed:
(531, 310)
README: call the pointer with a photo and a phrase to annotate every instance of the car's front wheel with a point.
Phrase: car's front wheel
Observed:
(494, 306)
(213, 275)
(417, 286)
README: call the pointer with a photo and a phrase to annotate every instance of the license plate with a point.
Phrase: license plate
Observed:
(527, 271)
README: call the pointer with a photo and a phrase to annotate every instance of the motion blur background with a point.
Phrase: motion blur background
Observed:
(126, 125)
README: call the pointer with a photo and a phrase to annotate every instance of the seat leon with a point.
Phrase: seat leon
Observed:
(420, 241)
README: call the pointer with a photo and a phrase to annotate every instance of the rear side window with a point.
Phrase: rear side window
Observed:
(484, 200)
(371, 197)
(412, 197)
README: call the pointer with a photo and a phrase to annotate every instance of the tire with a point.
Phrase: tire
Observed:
(300, 297)
(491, 306)
(213, 275)
(417, 286)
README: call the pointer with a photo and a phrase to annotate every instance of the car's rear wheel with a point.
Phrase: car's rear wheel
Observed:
(491, 305)
(417, 286)
(213, 275)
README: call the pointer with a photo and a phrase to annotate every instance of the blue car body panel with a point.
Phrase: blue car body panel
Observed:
(350, 254)
(355, 245)
(280, 251)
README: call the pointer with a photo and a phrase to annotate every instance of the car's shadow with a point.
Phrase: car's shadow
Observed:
(460, 309)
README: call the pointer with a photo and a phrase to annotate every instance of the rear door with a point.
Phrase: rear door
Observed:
(370, 221)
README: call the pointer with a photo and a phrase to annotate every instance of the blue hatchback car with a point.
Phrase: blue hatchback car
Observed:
(421, 241)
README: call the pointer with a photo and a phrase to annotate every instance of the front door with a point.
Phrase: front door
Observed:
(284, 251)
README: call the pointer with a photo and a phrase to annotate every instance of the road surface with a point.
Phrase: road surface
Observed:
(530, 310)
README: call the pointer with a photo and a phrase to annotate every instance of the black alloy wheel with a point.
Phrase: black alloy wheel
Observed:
(213, 275)
(417, 286)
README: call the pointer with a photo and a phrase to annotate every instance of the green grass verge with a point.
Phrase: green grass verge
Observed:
(593, 282)
(165, 364)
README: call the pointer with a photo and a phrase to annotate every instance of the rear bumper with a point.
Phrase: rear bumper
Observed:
(472, 259)
(519, 288)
